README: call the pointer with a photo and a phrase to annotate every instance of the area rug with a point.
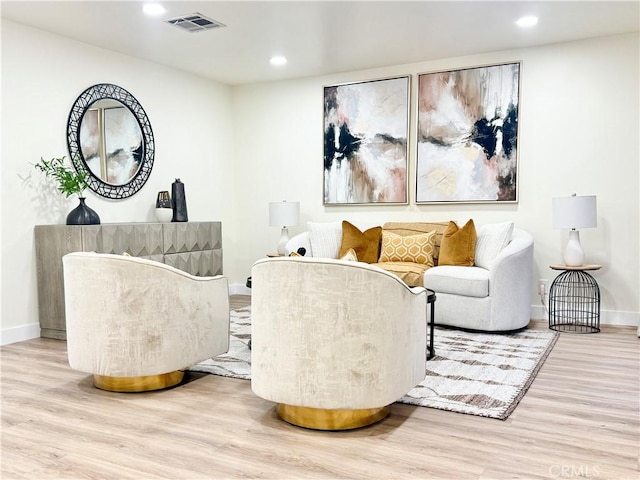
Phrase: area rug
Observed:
(481, 373)
(236, 362)
(474, 373)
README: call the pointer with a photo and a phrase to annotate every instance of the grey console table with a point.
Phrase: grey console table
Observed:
(194, 247)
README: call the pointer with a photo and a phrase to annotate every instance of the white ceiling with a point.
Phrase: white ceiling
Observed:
(317, 37)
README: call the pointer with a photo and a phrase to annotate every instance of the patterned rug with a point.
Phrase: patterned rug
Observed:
(474, 373)
(481, 373)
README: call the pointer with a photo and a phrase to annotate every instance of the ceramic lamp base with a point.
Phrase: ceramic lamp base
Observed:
(284, 238)
(573, 253)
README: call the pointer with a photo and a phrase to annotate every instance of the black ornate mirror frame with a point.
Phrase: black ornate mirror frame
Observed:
(80, 107)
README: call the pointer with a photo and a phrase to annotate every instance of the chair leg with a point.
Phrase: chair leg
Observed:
(138, 384)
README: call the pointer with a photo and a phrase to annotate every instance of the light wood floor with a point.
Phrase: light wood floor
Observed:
(578, 419)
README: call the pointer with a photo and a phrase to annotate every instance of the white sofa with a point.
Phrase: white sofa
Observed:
(495, 297)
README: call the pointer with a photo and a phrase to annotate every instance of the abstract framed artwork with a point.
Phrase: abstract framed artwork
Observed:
(365, 132)
(467, 135)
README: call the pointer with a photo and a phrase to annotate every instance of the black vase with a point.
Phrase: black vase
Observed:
(178, 202)
(83, 215)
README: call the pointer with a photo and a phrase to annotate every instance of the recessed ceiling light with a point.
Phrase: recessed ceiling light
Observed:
(153, 9)
(525, 22)
(278, 60)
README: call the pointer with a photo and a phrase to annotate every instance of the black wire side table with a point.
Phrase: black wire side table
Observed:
(574, 300)
(431, 300)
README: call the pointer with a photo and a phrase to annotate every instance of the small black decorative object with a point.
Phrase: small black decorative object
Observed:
(179, 202)
(301, 251)
(164, 200)
(83, 215)
(164, 210)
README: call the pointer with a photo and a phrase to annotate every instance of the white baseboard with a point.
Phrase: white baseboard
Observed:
(19, 334)
(607, 317)
(239, 289)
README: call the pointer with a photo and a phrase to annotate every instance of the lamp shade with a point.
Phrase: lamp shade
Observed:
(284, 214)
(575, 212)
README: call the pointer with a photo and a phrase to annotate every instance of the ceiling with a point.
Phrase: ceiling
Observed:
(320, 37)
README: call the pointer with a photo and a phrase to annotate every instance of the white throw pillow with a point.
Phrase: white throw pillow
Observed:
(325, 238)
(492, 238)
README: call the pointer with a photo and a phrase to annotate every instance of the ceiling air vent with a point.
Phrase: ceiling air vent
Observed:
(196, 22)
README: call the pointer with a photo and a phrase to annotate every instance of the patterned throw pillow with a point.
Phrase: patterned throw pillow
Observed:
(366, 245)
(408, 248)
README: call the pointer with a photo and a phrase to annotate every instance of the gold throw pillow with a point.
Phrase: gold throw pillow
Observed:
(365, 244)
(458, 245)
(408, 248)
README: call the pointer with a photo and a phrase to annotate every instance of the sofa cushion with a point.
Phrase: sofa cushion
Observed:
(408, 248)
(466, 281)
(458, 245)
(410, 273)
(492, 238)
(413, 228)
(365, 244)
(325, 238)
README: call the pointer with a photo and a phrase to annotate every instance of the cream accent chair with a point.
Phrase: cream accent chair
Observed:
(135, 323)
(334, 343)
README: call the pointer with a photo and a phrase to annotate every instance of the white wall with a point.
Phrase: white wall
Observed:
(42, 75)
(578, 133)
(238, 148)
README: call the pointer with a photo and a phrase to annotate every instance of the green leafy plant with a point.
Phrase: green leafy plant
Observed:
(69, 180)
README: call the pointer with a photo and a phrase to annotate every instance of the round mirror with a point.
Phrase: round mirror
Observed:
(111, 142)
(109, 136)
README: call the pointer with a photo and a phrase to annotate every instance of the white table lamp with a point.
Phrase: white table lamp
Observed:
(283, 214)
(574, 212)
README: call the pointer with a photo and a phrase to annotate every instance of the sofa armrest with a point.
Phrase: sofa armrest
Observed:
(297, 241)
(510, 273)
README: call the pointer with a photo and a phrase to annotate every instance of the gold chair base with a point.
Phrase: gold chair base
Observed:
(323, 419)
(138, 384)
